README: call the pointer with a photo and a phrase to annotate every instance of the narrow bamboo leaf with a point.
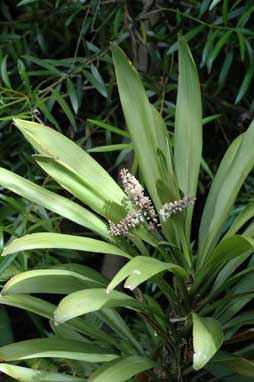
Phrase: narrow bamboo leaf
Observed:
(108, 127)
(53, 202)
(139, 118)
(216, 50)
(245, 84)
(44, 109)
(49, 281)
(233, 170)
(25, 374)
(122, 369)
(53, 348)
(52, 144)
(109, 148)
(213, 4)
(4, 73)
(72, 95)
(140, 269)
(226, 67)
(187, 37)
(57, 240)
(92, 300)
(23, 74)
(188, 127)
(99, 85)
(207, 339)
(43, 63)
(65, 108)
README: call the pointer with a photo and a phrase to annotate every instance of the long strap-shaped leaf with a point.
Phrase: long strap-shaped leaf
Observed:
(49, 281)
(61, 241)
(92, 301)
(122, 369)
(233, 170)
(140, 269)
(207, 339)
(228, 249)
(25, 374)
(50, 143)
(46, 309)
(53, 202)
(188, 126)
(140, 121)
(72, 181)
(53, 347)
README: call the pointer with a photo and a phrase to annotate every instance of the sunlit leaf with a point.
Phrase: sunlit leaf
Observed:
(207, 339)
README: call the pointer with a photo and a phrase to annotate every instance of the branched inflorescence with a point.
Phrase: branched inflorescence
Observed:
(144, 211)
(173, 208)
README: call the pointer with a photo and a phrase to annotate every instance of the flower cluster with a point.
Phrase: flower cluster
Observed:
(132, 220)
(175, 207)
(144, 211)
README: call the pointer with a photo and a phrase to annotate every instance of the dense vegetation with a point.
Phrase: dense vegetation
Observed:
(56, 68)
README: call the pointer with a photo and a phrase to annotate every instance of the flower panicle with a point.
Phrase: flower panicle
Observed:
(143, 209)
(173, 208)
(132, 220)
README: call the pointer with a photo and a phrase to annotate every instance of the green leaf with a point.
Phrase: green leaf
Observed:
(5, 327)
(188, 127)
(76, 185)
(28, 375)
(53, 202)
(92, 300)
(23, 75)
(70, 160)
(25, 2)
(4, 72)
(122, 369)
(233, 170)
(110, 148)
(53, 348)
(228, 249)
(65, 108)
(207, 339)
(49, 281)
(213, 4)
(72, 95)
(57, 240)
(240, 366)
(187, 37)
(245, 84)
(43, 63)
(139, 118)
(140, 269)
(97, 82)
(241, 219)
(108, 127)
(216, 50)
(29, 303)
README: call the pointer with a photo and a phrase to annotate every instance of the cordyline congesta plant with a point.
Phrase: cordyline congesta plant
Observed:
(190, 319)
